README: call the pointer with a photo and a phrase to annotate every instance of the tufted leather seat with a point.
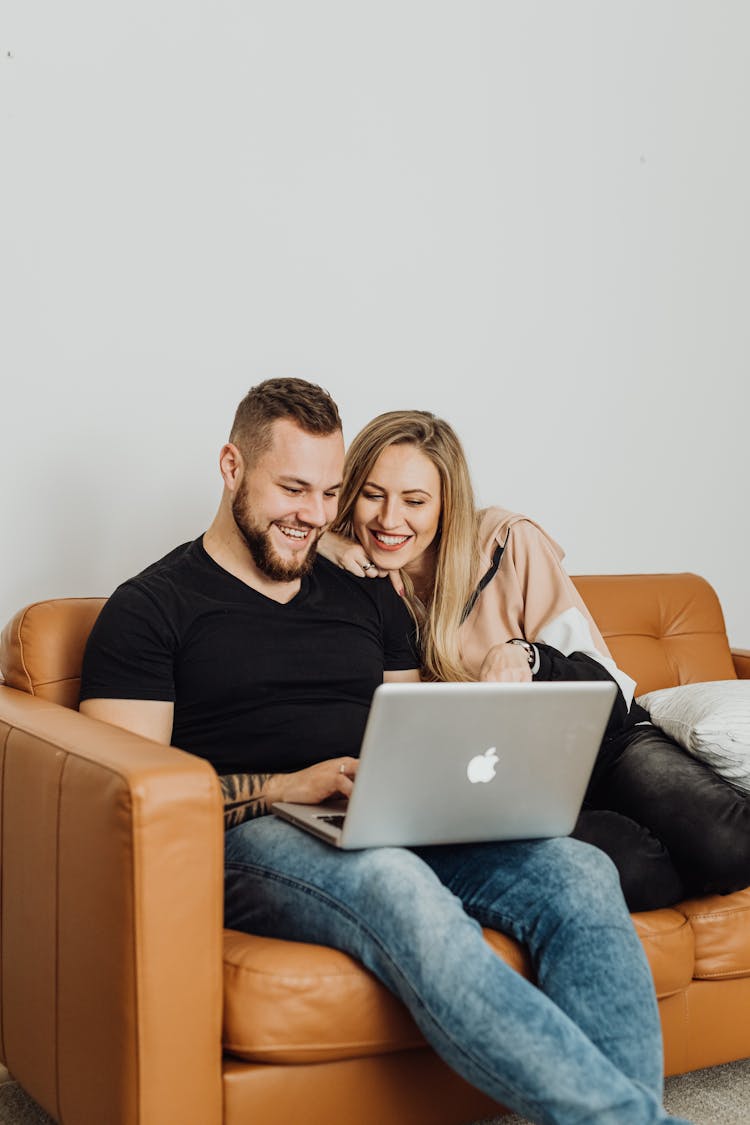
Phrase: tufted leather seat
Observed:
(115, 1006)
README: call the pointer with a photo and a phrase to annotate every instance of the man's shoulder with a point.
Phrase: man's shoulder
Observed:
(339, 583)
(130, 650)
(337, 579)
(371, 603)
(176, 564)
(161, 586)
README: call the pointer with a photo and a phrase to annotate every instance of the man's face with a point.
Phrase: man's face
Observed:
(287, 498)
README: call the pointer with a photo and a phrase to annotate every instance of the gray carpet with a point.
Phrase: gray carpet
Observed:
(719, 1096)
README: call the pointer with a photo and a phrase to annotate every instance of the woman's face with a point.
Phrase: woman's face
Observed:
(397, 512)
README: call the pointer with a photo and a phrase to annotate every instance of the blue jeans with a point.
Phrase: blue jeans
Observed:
(583, 1046)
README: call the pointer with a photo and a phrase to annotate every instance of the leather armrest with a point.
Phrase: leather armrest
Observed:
(112, 861)
(741, 658)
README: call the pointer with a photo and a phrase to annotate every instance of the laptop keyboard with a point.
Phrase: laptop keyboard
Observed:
(336, 819)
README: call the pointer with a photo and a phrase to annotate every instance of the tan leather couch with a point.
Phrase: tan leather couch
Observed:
(123, 1000)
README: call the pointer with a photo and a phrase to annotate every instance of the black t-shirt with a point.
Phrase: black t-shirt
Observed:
(257, 686)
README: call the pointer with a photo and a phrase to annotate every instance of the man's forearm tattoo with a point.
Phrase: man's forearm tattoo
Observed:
(243, 797)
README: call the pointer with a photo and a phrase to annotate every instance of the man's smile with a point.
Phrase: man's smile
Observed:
(298, 534)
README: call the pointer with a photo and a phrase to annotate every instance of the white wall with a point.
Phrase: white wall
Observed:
(530, 217)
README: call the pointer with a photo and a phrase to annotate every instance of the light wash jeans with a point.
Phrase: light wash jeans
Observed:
(583, 1046)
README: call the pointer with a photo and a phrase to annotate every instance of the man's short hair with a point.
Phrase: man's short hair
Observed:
(307, 404)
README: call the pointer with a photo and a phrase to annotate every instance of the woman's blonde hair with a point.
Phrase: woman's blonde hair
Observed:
(456, 538)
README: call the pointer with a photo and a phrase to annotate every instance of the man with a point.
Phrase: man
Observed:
(243, 648)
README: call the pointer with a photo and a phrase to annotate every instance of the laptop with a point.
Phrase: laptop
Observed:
(462, 763)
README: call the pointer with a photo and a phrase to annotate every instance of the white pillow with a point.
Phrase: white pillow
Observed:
(711, 721)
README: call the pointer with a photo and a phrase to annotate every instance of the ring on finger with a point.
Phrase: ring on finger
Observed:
(367, 566)
(342, 767)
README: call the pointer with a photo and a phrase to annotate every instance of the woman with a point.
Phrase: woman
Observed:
(492, 602)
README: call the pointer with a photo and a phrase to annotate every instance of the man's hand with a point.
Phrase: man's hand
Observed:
(249, 795)
(506, 663)
(334, 778)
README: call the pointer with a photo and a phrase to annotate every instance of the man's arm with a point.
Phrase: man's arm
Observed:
(246, 795)
(151, 718)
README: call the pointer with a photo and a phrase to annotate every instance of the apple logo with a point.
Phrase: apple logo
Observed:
(482, 768)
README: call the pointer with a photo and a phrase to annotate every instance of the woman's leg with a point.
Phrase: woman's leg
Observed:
(702, 820)
(387, 908)
(648, 878)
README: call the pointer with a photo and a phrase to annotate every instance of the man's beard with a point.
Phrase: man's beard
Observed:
(260, 545)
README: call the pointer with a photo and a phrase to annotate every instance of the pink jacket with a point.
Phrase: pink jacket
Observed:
(531, 596)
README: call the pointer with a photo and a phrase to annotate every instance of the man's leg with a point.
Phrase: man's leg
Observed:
(563, 902)
(387, 908)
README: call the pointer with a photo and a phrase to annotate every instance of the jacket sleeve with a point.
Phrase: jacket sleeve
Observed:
(554, 665)
(553, 612)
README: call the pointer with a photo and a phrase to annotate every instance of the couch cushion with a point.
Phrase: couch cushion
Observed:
(41, 648)
(667, 938)
(287, 1002)
(290, 1002)
(721, 926)
(662, 629)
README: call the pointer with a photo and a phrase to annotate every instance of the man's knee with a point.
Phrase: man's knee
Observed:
(396, 878)
(582, 877)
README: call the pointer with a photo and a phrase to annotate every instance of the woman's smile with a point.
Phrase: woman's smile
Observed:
(388, 542)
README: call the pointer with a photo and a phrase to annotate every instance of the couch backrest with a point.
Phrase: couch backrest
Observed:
(662, 629)
(41, 648)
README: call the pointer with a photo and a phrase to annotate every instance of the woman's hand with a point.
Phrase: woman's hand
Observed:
(506, 663)
(334, 778)
(350, 555)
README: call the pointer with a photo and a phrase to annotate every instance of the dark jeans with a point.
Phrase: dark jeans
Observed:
(672, 826)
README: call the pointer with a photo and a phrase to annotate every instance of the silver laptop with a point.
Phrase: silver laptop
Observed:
(460, 763)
